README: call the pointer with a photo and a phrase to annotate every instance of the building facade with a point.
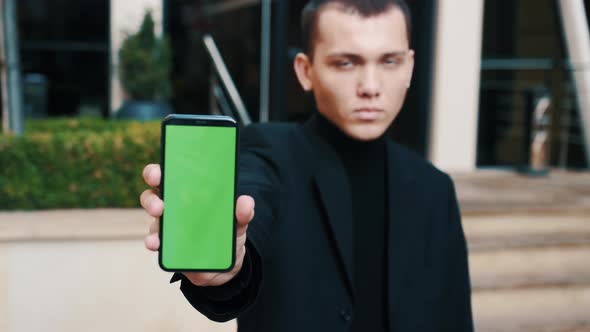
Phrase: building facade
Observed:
(485, 70)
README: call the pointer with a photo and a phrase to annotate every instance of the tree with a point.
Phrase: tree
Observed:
(145, 63)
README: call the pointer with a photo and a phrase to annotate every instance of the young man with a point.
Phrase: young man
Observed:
(351, 231)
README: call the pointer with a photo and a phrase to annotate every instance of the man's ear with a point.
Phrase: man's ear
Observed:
(302, 67)
(410, 67)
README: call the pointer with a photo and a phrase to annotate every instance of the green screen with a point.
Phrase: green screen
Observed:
(198, 219)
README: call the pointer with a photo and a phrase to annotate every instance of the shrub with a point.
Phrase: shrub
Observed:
(145, 63)
(72, 163)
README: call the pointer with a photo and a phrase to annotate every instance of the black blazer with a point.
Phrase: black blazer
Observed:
(299, 251)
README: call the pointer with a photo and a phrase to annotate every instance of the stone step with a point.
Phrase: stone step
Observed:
(554, 309)
(501, 192)
(530, 267)
(500, 232)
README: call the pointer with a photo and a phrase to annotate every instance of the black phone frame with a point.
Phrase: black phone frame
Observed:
(197, 120)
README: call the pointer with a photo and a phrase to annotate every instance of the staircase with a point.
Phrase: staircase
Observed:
(529, 262)
(530, 273)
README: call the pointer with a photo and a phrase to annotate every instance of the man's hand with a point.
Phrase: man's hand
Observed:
(154, 206)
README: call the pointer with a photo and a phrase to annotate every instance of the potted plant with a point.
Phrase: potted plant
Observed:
(144, 69)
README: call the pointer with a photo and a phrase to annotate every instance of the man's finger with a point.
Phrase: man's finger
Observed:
(151, 203)
(155, 226)
(244, 210)
(152, 175)
(152, 242)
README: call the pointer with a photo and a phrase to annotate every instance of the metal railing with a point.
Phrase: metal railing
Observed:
(570, 139)
(508, 121)
(222, 7)
(221, 82)
(517, 121)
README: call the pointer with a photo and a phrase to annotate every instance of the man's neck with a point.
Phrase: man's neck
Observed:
(346, 146)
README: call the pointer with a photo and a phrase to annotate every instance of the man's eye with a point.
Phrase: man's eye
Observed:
(392, 61)
(343, 64)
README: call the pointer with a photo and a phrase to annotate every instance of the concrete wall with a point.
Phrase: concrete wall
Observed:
(453, 131)
(68, 272)
(577, 37)
(126, 17)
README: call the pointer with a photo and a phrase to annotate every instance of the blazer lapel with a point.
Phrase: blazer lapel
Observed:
(333, 187)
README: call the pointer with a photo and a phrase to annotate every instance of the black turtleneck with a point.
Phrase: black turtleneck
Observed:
(365, 163)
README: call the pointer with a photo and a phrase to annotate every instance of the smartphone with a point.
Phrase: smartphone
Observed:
(198, 186)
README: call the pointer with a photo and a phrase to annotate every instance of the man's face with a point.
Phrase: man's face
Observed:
(360, 71)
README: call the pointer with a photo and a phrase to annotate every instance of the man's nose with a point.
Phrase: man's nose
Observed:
(369, 85)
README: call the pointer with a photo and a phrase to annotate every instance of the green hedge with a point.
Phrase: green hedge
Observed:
(59, 125)
(76, 163)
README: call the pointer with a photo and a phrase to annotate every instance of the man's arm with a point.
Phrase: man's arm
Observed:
(258, 178)
(226, 302)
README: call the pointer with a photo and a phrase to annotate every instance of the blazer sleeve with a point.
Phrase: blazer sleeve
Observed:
(257, 177)
(459, 316)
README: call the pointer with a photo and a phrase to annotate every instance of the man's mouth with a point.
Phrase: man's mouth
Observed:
(368, 113)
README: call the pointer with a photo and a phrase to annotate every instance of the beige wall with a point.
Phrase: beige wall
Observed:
(63, 286)
(126, 17)
(577, 36)
(453, 131)
(88, 270)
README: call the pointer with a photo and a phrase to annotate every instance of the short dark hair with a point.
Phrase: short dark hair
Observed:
(365, 8)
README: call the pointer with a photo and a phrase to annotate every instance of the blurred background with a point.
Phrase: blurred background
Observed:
(500, 100)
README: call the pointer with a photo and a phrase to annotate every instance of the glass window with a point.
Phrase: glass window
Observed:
(64, 50)
(524, 59)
